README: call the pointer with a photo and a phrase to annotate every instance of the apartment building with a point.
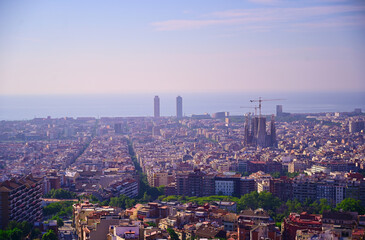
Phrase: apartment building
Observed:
(20, 200)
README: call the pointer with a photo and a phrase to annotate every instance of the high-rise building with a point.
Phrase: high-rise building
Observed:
(279, 110)
(304, 188)
(179, 107)
(195, 183)
(247, 185)
(227, 184)
(282, 188)
(356, 126)
(118, 127)
(157, 106)
(190, 183)
(20, 200)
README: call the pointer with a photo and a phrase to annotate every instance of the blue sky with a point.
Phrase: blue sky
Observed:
(73, 47)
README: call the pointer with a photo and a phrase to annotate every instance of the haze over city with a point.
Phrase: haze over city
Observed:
(182, 120)
(97, 47)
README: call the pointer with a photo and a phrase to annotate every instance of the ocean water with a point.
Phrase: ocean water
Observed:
(128, 105)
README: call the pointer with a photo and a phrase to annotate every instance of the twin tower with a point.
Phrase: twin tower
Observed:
(178, 107)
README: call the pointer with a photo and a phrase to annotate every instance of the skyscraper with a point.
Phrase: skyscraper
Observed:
(157, 106)
(179, 107)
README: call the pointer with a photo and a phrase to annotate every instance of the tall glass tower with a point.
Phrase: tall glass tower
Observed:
(179, 107)
(157, 106)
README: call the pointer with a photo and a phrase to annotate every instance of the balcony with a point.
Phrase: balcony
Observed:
(15, 195)
(34, 212)
(18, 211)
(14, 199)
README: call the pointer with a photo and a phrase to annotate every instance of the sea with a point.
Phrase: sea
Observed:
(26, 107)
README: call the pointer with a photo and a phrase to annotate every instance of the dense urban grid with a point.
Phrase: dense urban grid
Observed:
(292, 176)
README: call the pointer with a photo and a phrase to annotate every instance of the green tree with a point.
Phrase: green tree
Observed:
(35, 233)
(294, 206)
(52, 208)
(160, 198)
(12, 224)
(50, 235)
(172, 234)
(146, 197)
(152, 224)
(278, 218)
(275, 174)
(278, 225)
(291, 175)
(350, 204)
(267, 201)
(59, 220)
(181, 198)
(26, 227)
(4, 234)
(114, 202)
(171, 198)
(324, 205)
(307, 202)
(248, 201)
(15, 234)
(161, 190)
(61, 209)
(314, 207)
(93, 198)
(61, 194)
(130, 203)
(122, 201)
(13, 227)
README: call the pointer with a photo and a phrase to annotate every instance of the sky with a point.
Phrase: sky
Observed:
(164, 46)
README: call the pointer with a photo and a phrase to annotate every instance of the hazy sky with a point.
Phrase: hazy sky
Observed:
(156, 46)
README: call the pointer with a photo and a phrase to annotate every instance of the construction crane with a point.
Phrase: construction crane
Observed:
(255, 107)
(264, 100)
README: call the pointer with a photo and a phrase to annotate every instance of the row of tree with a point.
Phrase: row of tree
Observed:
(146, 192)
(23, 230)
(277, 209)
(197, 200)
(61, 194)
(58, 211)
